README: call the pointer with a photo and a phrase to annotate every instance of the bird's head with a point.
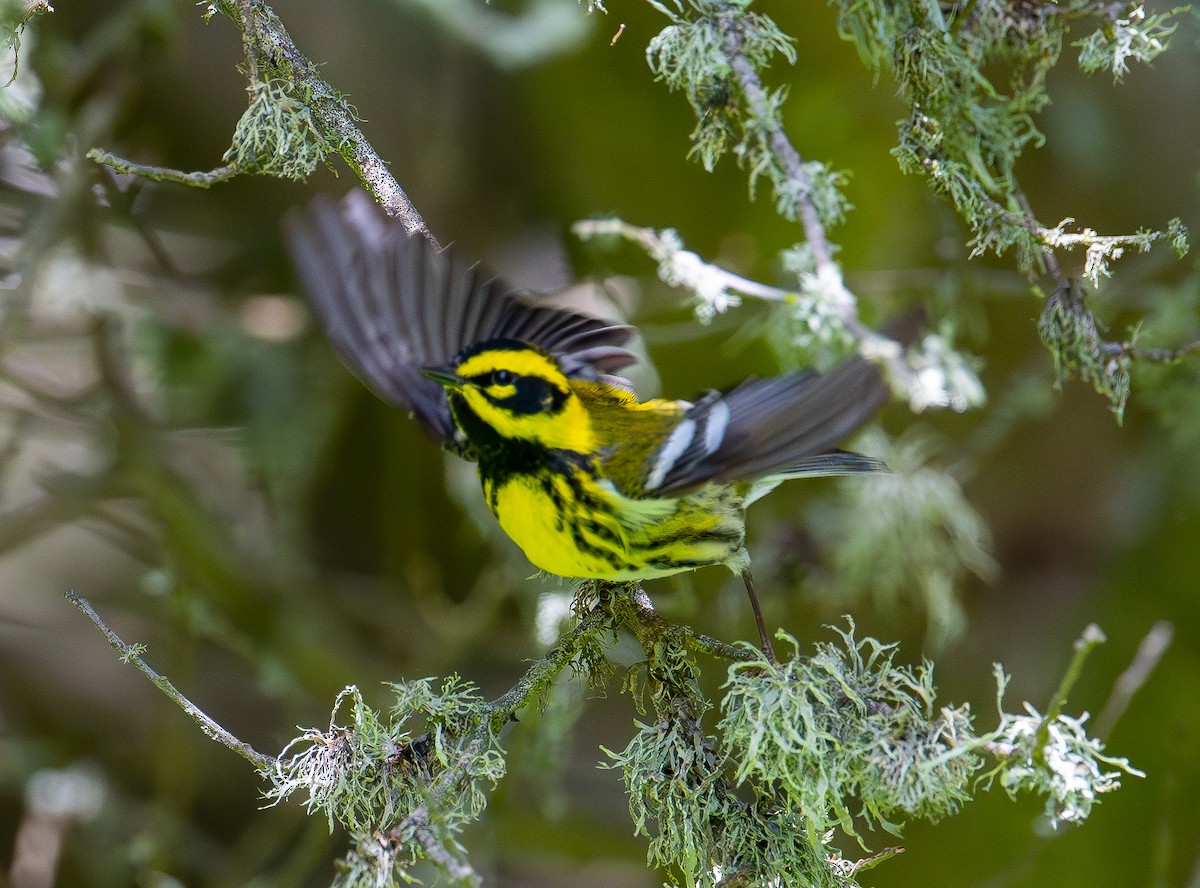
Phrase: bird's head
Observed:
(518, 391)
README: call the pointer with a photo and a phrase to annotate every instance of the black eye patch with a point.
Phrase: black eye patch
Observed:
(533, 395)
(503, 377)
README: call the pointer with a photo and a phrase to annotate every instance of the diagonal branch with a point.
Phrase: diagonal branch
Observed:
(133, 654)
(756, 101)
(271, 50)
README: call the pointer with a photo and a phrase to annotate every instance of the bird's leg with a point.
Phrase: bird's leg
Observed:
(758, 617)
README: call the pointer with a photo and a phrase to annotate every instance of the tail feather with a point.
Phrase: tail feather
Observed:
(835, 462)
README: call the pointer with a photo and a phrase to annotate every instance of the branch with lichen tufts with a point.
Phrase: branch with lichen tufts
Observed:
(966, 135)
(713, 52)
(804, 747)
(823, 319)
(293, 121)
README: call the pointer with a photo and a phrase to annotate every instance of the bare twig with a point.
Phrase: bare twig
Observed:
(132, 654)
(1149, 654)
(1091, 637)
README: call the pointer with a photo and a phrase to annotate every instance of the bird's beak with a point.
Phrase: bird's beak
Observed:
(443, 376)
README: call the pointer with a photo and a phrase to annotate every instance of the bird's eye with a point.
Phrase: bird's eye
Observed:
(504, 377)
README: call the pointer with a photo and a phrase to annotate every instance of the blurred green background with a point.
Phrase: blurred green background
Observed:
(273, 532)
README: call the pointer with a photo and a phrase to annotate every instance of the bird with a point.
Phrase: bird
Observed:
(590, 481)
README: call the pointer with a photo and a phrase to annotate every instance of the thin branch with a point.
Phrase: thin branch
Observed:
(165, 174)
(872, 344)
(459, 871)
(418, 820)
(132, 654)
(1091, 637)
(757, 103)
(544, 670)
(35, 399)
(647, 618)
(1030, 221)
(1153, 355)
(44, 512)
(1076, 302)
(691, 271)
(122, 196)
(714, 647)
(112, 364)
(1149, 653)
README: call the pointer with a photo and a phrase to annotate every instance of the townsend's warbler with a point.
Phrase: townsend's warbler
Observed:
(588, 480)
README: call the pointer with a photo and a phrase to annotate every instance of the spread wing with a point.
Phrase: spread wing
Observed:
(782, 426)
(392, 304)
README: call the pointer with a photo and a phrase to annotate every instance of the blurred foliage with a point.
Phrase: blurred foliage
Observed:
(179, 444)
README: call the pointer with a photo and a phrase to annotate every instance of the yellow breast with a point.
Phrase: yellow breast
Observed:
(570, 542)
(580, 526)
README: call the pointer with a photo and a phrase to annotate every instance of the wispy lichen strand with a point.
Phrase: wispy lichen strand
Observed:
(847, 733)
(1135, 36)
(909, 533)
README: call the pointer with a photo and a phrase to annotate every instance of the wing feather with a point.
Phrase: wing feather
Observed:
(392, 304)
(779, 426)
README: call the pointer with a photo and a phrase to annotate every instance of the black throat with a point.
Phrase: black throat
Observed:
(501, 458)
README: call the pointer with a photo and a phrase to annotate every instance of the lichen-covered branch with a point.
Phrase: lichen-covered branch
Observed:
(1053, 755)
(714, 52)
(822, 322)
(965, 134)
(813, 742)
(275, 56)
(538, 678)
(795, 181)
(205, 179)
(294, 119)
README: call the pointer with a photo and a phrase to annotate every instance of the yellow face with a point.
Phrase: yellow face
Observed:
(521, 393)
